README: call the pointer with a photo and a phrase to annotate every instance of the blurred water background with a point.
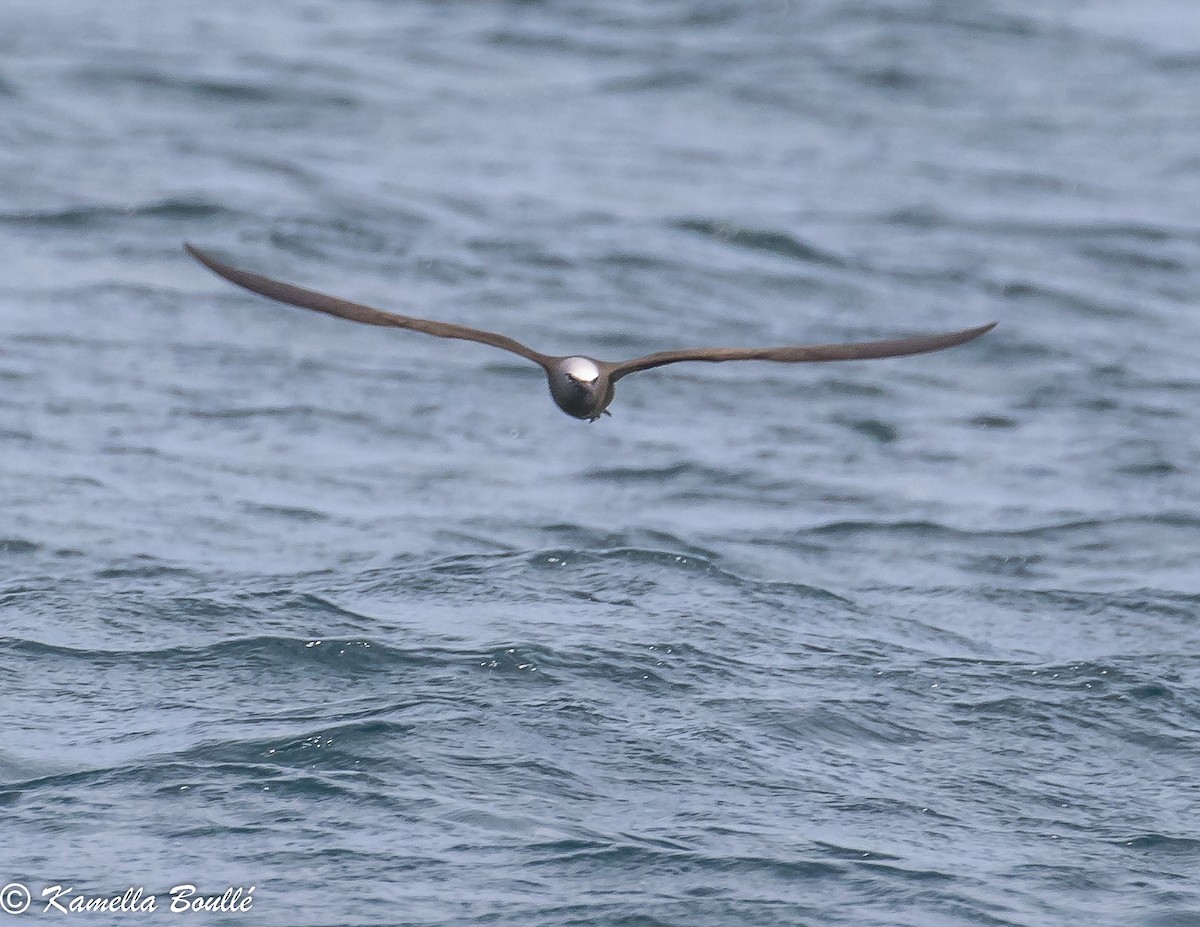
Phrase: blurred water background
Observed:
(359, 618)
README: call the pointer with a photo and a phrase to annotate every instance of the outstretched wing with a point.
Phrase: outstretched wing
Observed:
(862, 350)
(356, 312)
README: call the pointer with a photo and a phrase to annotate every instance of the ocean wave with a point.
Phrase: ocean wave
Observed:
(779, 244)
(172, 209)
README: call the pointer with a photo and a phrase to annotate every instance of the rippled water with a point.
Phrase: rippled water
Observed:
(360, 619)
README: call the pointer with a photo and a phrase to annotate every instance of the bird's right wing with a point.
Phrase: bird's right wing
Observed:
(356, 312)
(862, 350)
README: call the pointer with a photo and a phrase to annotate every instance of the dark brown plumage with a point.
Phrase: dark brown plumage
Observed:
(581, 386)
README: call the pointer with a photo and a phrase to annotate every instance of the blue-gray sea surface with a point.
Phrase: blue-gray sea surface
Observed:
(357, 617)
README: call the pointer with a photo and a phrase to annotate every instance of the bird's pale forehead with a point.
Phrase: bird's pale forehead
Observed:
(581, 369)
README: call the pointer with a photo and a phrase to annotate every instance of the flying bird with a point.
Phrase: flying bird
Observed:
(581, 386)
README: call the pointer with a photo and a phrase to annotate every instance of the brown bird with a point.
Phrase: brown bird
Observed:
(581, 386)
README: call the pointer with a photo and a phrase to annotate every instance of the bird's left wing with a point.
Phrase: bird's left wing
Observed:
(862, 350)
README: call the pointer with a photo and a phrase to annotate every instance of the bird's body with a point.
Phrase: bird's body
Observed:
(581, 386)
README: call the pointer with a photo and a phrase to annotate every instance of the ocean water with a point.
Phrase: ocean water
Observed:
(359, 619)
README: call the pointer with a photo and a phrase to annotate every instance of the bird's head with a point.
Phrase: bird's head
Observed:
(580, 387)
